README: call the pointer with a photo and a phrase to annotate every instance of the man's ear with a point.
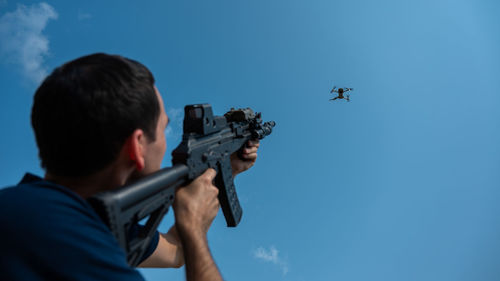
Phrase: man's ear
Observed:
(135, 148)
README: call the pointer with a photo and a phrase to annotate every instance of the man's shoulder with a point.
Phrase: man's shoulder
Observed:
(41, 219)
(34, 196)
(45, 208)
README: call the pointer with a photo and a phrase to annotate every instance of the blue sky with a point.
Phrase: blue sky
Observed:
(401, 183)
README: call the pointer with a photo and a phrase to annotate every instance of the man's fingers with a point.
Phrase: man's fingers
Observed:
(251, 149)
(252, 143)
(210, 174)
(250, 156)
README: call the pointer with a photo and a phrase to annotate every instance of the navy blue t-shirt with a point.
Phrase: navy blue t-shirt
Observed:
(48, 232)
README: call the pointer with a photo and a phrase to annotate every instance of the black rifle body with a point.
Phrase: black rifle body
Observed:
(208, 142)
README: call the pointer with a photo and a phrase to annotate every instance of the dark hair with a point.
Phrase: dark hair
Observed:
(84, 111)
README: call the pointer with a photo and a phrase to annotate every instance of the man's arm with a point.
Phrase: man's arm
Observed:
(195, 207)
(168, 252)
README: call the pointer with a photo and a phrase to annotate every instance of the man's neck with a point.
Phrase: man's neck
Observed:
(87, 186)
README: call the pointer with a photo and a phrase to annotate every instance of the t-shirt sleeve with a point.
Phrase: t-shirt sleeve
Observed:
(152, 246)
(134, 231)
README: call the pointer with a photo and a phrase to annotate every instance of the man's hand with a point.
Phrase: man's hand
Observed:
(246, 159)
(195, 207)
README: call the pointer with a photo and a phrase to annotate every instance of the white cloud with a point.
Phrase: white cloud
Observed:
(176, 117)
(271, 256)
(22, 41)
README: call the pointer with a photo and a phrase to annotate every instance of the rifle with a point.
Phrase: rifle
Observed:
(208, 142)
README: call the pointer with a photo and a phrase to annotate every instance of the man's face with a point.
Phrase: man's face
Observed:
(156, 150)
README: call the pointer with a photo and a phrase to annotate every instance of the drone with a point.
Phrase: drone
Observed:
(341, 92)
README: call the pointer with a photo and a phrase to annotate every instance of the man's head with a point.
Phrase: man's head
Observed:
(87, 109)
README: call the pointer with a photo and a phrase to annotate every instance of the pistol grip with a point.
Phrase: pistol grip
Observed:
(227, 193)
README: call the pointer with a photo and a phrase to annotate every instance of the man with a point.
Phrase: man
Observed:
(99, 123)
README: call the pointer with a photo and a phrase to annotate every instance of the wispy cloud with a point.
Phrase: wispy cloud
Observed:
(22, 41)
(3, 2)
(83, 16)
(176, 117)
(271, 256)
